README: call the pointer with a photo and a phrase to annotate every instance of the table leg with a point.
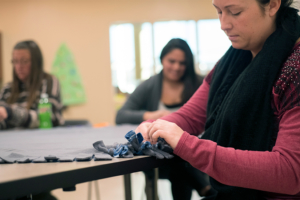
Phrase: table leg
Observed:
(151, 178)
(97, 190)
(89, 190)
(155, 192)
(127, 184)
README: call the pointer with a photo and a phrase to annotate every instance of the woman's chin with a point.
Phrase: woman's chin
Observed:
(174, 79)
(22, 79)
(237, 45)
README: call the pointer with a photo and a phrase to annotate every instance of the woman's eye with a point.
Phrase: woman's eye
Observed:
(236, 14)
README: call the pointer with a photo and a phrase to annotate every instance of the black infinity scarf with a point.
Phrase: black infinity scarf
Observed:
(239, 112)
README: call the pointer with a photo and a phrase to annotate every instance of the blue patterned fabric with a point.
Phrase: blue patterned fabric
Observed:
(136, 146)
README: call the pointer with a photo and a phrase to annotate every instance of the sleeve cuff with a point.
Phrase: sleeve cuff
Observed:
(9, 112)
(181, 143)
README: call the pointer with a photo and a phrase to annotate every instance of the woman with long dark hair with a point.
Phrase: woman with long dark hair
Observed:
(165, 92)
(161, 95)
(19, 98)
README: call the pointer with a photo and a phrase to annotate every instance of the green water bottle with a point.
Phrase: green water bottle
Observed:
(45, 112)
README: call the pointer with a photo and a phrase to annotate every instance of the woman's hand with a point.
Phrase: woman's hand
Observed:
(143, 129)
(164, 129)
(154, 115)
(3, 113)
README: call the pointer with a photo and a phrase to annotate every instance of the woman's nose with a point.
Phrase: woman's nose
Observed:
(18, 66)
(176, 66)
(225, 23)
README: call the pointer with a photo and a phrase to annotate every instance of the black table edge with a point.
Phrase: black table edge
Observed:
(35, 185)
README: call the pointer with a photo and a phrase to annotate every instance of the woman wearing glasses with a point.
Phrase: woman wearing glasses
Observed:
(19, 98)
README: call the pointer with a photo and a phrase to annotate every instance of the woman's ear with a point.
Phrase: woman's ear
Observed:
(273, 7)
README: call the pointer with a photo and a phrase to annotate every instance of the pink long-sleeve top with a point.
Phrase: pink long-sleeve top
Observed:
(276, 172)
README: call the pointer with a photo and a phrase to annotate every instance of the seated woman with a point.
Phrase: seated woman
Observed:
(160, 95)
(165, 92)
(19, 99)
(249, 106)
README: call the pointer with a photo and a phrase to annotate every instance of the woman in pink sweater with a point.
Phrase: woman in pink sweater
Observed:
(248, 106)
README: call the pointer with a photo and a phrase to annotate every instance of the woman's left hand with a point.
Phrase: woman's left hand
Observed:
(3, 113)
(167, 130)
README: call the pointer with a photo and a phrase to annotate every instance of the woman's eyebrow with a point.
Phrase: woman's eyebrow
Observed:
(231, 6)
(215, 6)
(225, 6)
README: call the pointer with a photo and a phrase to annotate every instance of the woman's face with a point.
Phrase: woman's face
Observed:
(245, 23)
(174, 65)
(22, 63)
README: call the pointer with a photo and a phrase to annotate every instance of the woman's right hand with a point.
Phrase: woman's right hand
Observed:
(154, 115)
(143, 129)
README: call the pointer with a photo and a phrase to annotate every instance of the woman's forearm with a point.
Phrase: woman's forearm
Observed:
(277, 171)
